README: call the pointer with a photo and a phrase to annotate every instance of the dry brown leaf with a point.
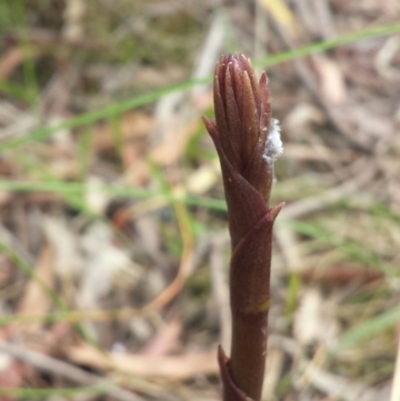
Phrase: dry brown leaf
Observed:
(10, 375)
(283, 15)
(133, 125)
(137, 173)
(104, 261)
(10, 61)
(314, 321)
(150, 77)
(35, 300)
(304, 152)
(341, 275)
(276, 360)
(301, 118)
(136, 125)
(332, 82)
(173, 146)
(165, 339)
(96, 200)
(129, 154)
(149, 236)
(68, 259)
(338, 387)
(73, 25)
(204, 178)
(167, 367)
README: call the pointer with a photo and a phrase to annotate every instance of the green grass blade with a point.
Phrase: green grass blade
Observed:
(75, 188)
(352, 249)
(108, 112)
(17, 91)
(92, 117)
(370, 328)
(329, 44)
(30, 272)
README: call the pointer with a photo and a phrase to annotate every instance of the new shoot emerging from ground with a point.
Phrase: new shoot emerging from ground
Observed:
(248, 142)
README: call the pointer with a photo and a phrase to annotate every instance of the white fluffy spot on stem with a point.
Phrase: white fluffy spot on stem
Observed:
(273, 144)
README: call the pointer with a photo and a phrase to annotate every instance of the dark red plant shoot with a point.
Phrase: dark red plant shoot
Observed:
(248, 142)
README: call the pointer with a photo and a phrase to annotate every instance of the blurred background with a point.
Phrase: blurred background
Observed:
(114, 248)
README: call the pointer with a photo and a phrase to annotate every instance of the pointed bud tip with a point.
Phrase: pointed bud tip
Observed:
(211, 127)
(276, 210)
(263, 79)
(222, 358)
